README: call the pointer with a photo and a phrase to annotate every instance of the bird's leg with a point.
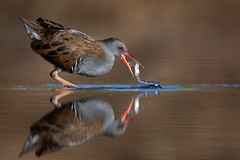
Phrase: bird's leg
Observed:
(54, 75)
(55, 98)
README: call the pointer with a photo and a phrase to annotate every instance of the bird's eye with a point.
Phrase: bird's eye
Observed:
(120, 127)
(120, 48)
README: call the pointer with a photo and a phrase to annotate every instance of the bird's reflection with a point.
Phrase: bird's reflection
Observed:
(73, 123)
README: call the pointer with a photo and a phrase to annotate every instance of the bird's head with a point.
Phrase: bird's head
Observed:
(119, 49)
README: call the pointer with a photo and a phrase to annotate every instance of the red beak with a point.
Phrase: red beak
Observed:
(123, 116)
(126, 62)
(126, 112)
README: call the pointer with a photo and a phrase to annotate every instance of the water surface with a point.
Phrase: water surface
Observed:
(194, 122)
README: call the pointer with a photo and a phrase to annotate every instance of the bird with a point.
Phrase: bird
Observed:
(72, 51)
(73, 123)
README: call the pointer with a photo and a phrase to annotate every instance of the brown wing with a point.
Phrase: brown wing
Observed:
(49, 24)
(63, 48)
(62, 127)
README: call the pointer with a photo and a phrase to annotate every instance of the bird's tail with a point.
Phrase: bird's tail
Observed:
(31, 144)
(33, 30)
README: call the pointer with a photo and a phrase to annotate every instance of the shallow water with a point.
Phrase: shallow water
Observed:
(194, 122)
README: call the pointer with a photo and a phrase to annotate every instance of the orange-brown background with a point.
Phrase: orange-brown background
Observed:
(178, 41)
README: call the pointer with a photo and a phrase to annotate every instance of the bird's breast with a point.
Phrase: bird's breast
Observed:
(93, 66)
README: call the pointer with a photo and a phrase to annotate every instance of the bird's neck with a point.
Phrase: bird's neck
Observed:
(108, 53)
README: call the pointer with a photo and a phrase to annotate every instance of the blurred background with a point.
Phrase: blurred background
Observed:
(178, 41)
